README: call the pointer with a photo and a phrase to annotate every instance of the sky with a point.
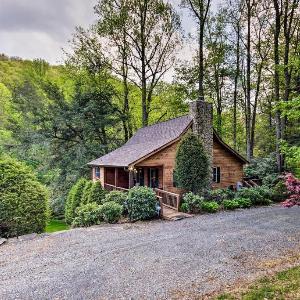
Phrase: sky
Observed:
(42, 28)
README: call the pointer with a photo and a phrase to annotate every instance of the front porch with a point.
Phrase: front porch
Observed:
(123, 179)
(127, 178)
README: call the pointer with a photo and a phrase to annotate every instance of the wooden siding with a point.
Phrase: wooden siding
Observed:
(165, 158)
(231, 168)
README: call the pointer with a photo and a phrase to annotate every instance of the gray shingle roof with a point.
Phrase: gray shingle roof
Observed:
(145, 141)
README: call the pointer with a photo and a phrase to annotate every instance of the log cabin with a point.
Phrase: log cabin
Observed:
(148, 158)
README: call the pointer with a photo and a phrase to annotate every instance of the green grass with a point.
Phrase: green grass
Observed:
(56, 225)
(282, 286)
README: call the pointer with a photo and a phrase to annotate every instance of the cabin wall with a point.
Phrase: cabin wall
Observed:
(166, 159)
(231, 168)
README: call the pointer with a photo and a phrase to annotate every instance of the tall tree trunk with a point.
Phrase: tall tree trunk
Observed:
(248, 83)
(236, 78)
(278, 14)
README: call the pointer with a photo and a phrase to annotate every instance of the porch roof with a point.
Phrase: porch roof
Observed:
(147, 140)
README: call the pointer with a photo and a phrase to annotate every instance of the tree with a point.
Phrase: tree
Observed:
(23, 200)
(191, 165)
(200, 9)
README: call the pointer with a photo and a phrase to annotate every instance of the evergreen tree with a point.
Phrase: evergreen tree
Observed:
(192, 165)
(97, 193)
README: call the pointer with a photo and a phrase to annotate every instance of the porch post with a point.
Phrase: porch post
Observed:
(130, 179)
(116, 177)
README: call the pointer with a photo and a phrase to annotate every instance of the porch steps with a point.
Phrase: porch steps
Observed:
(173, 215)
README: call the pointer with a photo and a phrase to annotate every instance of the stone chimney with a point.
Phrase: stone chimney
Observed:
(202, 115)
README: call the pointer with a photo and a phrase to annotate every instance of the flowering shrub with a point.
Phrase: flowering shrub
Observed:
(293, 187)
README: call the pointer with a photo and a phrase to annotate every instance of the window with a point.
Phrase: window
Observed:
(97, 172)
(216, 174)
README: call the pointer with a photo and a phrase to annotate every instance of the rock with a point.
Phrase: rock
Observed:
(2, 241)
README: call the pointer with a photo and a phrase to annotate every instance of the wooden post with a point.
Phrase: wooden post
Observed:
(116, 177)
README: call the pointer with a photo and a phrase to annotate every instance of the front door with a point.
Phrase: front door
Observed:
(153, 180)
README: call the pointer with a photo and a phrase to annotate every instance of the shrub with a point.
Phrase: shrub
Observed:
(87, 215)
(230, 204)
(116, 196)
(293, 187)
(111, 212)
(74, 199)
(191, 203)
(191, 165)
(141, 203)
(210, 206)
(86, 192)
(220, 195)
(257, 195)
(243, 202)
(23, 200)
(97, 193)
(262, 167)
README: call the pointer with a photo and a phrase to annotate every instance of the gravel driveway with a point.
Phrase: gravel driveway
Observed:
(153, 260)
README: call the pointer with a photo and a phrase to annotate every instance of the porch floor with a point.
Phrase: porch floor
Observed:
(174, 215)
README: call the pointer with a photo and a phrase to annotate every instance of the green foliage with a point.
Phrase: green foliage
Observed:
(74, 199)
(210, 206)
(218, 195)
(279, 191)
(116, 196)
(87, 192)
(191, 203)
(243, 202)
(292, 157)
(257, 196)
(262, 167)
(23, 200)
(141, 203)
(111, 212)
(192, 166)
(231, 204)
(97, 193)
(87, 215)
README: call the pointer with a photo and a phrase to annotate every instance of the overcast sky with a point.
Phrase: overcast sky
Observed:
(41, 28)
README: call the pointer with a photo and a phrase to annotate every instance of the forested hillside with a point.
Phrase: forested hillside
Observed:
(58, 118)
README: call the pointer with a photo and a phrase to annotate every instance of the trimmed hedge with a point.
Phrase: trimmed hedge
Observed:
(74, 200)
(111, 212)
(23, 200)
(97, 193)
(141, 203)
(87, 192)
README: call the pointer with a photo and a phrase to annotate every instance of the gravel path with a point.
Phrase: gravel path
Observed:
(155, 260)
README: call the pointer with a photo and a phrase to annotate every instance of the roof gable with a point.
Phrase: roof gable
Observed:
(147, 140)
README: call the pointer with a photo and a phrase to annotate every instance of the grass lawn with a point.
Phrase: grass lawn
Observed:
(56, 225)
(284, 285)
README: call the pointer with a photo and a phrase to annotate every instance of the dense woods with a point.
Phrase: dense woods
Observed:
(116, 79)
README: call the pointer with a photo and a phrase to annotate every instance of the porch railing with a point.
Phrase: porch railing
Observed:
(110, 187)
(168, 199)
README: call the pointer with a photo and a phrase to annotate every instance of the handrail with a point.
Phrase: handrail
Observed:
(111, 187)
(169, 199)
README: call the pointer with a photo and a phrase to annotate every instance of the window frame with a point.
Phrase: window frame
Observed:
(216, 174)
(97, 171)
